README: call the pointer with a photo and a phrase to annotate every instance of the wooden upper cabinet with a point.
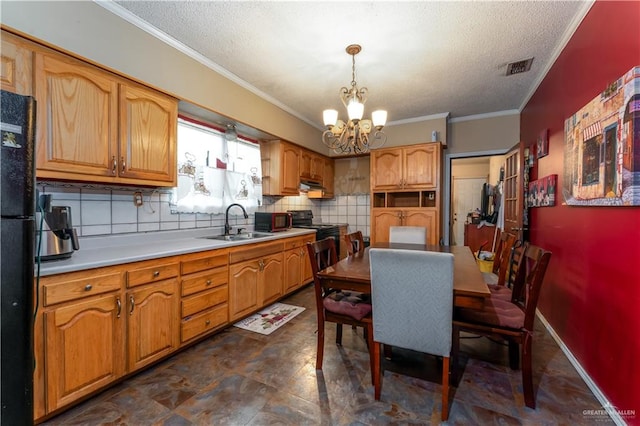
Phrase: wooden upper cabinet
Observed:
(311, 166)
(421, 166)
(16, 65)
(280, 168)
(408, 167)
(77, 119)
(148, 128)
(305, 164)
(94, 126)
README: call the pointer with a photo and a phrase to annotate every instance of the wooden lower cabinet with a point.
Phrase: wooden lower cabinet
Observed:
(382, 219)
(254, 283)
(153, 323)
(95, 326)
(85, 348)
(297, 268)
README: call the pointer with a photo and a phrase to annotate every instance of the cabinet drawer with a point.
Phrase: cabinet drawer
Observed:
(79, 288)
(210, 279)
(294, 243)
(204, 300)
(203, 263)
(253, 251)
(151, 274)
(203, 322)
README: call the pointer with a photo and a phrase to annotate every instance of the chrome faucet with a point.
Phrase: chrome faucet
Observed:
(227, 227)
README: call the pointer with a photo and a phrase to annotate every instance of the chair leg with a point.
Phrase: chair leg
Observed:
(369, 332)
(527, 374)
(455, 349)
(339, 334)
(513, 354)
(376, 372)
(320, 346)
(445, 389)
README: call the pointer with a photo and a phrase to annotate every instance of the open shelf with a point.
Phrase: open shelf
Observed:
(405, 199)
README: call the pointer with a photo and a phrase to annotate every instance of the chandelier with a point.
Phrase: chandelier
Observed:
(356, 136)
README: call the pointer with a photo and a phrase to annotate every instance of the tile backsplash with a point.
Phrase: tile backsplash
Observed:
(97, 210)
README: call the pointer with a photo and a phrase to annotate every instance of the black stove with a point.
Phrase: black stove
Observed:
(304, 219)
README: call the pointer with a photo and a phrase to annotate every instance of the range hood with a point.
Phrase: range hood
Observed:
(309, 185)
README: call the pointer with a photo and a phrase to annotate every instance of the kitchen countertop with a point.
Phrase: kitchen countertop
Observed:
(111, 250)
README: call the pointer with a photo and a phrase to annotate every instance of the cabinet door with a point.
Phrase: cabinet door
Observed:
(148, 123)
(421, 166)
(84, 348)
(16, 72)
(243, 288)
(77, 119)
(305, 164)
(153, 322)
(317, 168)
(271, 278)
(386, 169)
(292, 269)
(307, 272)
(381, 220)
(290, 170)
(426, 219)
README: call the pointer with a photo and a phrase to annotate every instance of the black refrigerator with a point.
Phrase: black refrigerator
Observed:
(17, 174)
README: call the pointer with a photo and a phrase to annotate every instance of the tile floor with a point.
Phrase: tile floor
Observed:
(237, 377)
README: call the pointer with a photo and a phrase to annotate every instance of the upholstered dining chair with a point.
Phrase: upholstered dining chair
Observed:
(354, 242)
(412, 298)
(408, 234)
(339, 307)
(512, 320)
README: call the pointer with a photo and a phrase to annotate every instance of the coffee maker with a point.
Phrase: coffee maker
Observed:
(55, 236)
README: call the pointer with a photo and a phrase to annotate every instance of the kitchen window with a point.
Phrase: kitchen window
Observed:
(214, 172)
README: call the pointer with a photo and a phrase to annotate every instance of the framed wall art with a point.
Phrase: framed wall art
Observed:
(542, 145)
(602, 147)
(542, 192)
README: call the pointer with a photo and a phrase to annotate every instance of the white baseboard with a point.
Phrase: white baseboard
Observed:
(606, 404)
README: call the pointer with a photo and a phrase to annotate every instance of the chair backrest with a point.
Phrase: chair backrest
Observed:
(535, 265)
(412, 299)
(408, 234)
(502, 260)
(322, 254)
(515, 275)
(503, 241)
(355, 242)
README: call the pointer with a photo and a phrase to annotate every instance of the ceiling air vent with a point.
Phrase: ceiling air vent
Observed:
(519, 66)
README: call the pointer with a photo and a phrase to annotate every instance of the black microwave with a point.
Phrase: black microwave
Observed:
(273, 222)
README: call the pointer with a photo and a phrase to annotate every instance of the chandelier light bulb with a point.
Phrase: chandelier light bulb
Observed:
(330, 117)
(379, 118)
(355, 110)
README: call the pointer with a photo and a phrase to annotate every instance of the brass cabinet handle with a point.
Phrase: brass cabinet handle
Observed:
(261, 265)
(207, 322)
(88, 287)
(114, 165)
(208, 282)
(124, 164)
(132, 302)
(119, 305)
(156, 274)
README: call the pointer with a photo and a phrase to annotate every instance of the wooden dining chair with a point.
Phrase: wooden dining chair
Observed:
(512, 320)
(412, 298)
(354, 242)
(339, 307)
(498, 279)
(408, 234)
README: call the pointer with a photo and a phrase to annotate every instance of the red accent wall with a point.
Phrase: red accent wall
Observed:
(591, 293)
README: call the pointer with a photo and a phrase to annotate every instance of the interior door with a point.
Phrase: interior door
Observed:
(466, 197)
(514, 181)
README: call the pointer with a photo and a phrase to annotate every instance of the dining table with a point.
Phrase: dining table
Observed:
(469, 288)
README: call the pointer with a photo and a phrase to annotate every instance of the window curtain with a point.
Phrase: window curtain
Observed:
(214, 172)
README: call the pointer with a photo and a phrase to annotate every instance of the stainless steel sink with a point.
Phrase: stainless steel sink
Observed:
(239, 237)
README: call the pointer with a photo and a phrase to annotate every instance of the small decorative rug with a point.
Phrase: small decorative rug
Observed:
(270, 319)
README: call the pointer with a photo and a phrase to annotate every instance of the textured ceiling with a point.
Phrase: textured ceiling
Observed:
(418, 59)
